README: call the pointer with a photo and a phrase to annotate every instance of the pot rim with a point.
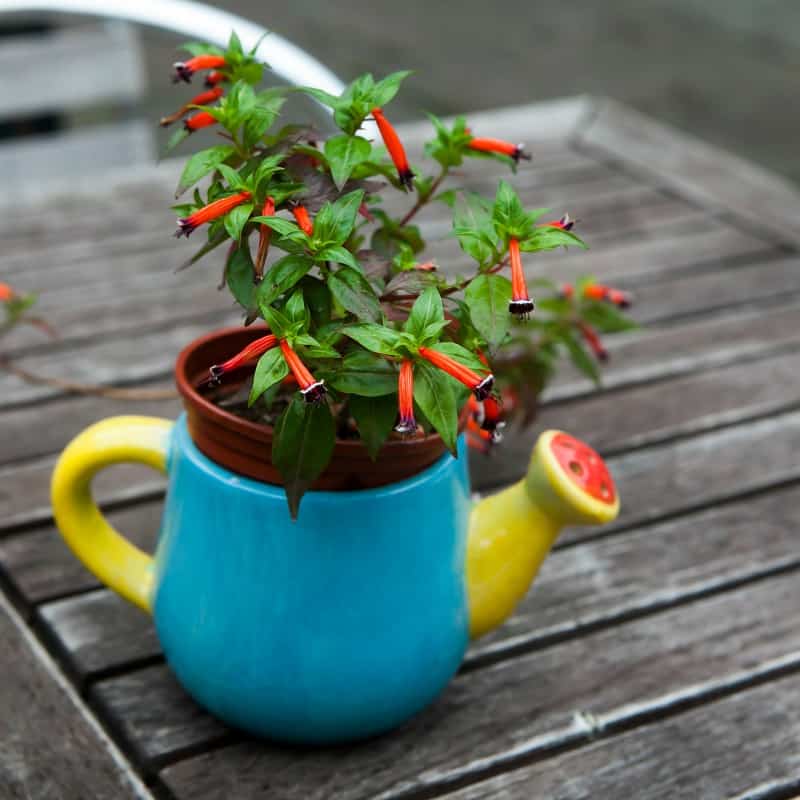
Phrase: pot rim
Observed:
(186, 387)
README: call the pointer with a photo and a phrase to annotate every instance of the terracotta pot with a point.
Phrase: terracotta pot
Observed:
(245, 447)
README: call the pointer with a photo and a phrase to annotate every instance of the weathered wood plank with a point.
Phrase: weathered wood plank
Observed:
(657, 354)
(705, 294)
(518, 709)
(654, 413)
(151, 353)
(746, 745)
(40, 566)
(52, 748)
(140, 231)
(580, 588)
(69, 69)
(635, 261)
(82, 622)
(173, 723)
(129, 359)
(697, 170)
(24, 437)
(662, 481)
(27, 166)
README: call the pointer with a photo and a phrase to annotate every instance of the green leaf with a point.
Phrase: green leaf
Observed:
(431, 332)
(271, 369)
(474, 228)
(335, 221)
(338, 255)
(235, 51)
(343, 154)
(509, 216)
(281, 277)
(549, 238)
(387, 88)
(374, 337)
(427, 309)
(487, 299)
(236, 219)
(277, 322)
(375, 419)
(579, 357)
(318, 300)
(265, 170)
(260, 118)
(295, 308)
(176, 137)
(239, 275)
(352, 290)
(200, 164)
(303, 442)
(330, 100)
(283, 227)
(202, 48)
(364, 374)
(231, 176)
(433, 393)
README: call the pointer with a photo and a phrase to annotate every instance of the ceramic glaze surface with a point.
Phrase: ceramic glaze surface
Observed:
(339, 625)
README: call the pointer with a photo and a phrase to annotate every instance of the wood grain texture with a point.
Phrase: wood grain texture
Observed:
(28, 165)
(580, 587)
(650, 355)
(50, 748)
(659, 481)
(743, 746)
(516, 709)
(654, 412)
(70, 68)
(40, 566)
(695, 169)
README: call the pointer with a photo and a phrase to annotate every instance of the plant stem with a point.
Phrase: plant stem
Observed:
(91, 389)
(422, 201)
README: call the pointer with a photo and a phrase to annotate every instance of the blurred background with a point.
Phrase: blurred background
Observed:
(725, 70)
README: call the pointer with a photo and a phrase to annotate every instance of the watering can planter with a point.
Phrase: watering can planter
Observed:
(349, 620)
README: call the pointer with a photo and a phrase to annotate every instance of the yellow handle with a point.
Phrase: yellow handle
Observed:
(120, 565)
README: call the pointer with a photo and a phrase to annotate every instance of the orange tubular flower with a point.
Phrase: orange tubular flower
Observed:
(481, 386)
(202, 99)
(406, 425)
(395, 148)
(312, 390)
(566, 223)
(254, 350)
(6, 293)
(521, 305)
(515, 151)
(210, 212)
(597, 291)
(202, 119)
(593, 340)
(213, 78)
(303, 219)
(185, 69)
(264, 234)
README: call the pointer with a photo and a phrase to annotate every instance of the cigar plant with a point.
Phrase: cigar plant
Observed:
(367, 336)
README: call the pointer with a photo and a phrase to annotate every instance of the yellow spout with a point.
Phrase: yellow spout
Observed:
(511, 532)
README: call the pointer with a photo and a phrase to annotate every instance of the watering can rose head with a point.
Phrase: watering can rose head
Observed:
(367, 336)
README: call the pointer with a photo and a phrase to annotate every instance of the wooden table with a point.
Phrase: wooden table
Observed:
(658, 657)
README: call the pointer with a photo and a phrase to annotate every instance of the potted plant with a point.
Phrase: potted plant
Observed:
(358, 364)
